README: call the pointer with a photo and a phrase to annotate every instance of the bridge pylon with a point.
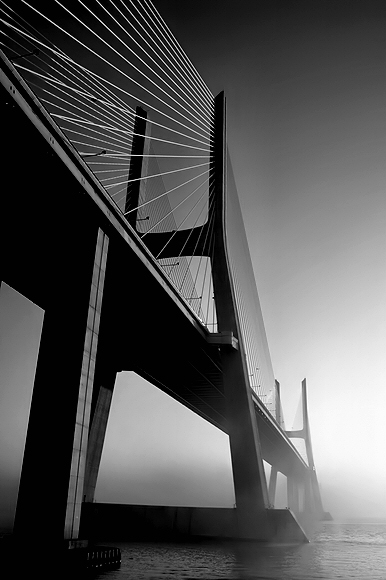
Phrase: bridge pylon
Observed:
(310, 485)
(250, 485)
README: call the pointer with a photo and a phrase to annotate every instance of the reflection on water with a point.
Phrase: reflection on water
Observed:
(337, 551)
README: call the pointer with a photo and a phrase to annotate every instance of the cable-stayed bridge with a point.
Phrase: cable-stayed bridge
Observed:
(122, 222)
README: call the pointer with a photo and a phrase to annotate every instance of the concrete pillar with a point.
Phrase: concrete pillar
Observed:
(313, 480)
(309, 504)
(96, 438)
(138, 165)
(272, 486)
(57, 427)
(81, 432)
(248, 471)
(313, 500)
(302, 495)
(51, 260)
(292, 494)
(278, 416)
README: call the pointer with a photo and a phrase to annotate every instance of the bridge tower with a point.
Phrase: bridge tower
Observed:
(312, 497)
(248, 471)
(274, 471)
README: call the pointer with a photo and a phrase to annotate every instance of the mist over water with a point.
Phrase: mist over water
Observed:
(354, 551)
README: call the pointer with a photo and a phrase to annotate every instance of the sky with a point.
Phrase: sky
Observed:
(305, 86)
(20, 328)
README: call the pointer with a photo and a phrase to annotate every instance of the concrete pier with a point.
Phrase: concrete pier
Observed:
(120, 522)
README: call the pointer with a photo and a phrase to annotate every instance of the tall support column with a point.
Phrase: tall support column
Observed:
(272, 486)
(97, 435)
(248, 471)
(57, 404)
(313, 500)
(140, 147)
(313, 482)
(278, 414)
(273, 475)
(301, 496)
(81, 433)
(292, 495)
(309, 504)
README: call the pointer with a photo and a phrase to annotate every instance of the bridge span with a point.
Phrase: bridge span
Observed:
(111, 304)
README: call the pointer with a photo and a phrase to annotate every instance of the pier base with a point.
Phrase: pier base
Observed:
(118, 522)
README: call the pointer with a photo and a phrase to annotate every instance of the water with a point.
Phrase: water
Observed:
(336, 552)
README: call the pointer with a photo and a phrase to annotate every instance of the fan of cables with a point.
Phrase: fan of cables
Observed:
(92, 64)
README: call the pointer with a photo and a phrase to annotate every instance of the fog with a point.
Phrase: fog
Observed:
(157, 452)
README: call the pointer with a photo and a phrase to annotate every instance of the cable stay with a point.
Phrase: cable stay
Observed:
(117, 69)
(95, 100)
(193, 84)
(179, 52)
(99, 118)
(190, 233)
(196, 101)
(53, 81)
(175, 207)
(139, 58)
(106, 81)
(169, 191)
(145, 177)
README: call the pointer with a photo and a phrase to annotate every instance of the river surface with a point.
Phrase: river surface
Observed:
(336, 552)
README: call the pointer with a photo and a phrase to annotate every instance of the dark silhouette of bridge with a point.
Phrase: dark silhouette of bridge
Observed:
(112, 281)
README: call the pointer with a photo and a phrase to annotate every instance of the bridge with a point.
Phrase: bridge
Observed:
(122, 222)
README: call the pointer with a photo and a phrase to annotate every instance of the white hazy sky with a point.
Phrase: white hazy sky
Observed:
(306, 90)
